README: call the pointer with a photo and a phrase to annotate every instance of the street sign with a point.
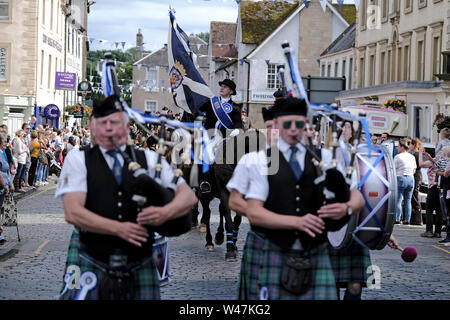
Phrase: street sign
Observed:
(65, 81)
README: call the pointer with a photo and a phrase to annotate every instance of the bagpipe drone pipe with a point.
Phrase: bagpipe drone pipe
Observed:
(334, 186)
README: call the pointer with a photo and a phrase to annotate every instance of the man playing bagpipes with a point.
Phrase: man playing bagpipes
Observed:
(286, 250)
(103, 188)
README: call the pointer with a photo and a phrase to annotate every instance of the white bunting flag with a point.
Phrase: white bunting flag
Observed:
(323, 3)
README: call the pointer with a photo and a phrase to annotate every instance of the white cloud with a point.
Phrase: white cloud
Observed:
(119, 20)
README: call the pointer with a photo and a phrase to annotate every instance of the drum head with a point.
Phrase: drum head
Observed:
(343, 237)
(379, 191)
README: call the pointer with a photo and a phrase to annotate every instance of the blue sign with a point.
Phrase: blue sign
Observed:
(52, 112)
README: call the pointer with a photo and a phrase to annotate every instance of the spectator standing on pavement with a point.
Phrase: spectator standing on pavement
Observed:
(35, 146)
(20, 153)
(374, 139)
(433, 202)
(416, 213)
(27, 129)
(444, 140)
(388, 143)
(32, 122)
(405, 166)
(446, 204)
(5, 182)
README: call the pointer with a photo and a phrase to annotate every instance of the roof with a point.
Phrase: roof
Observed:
(345, 41)
(222, 39)
(160, 57)
(260, 19)
(348, 12)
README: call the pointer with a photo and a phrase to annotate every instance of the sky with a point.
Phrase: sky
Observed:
(118, 21)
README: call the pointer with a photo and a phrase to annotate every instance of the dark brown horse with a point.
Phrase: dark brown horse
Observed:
(228, 154)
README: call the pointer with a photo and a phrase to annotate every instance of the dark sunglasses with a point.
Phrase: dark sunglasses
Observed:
(298, 124)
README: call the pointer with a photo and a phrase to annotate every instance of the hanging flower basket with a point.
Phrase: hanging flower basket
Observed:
(395, 104)
(441, 121)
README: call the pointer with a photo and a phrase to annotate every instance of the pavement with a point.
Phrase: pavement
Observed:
(13, 244)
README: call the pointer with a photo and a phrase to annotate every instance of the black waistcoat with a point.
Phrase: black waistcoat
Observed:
(110, 200)
(289, 196)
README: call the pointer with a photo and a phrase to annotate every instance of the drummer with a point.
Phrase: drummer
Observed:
(349, 264)
(282, 217)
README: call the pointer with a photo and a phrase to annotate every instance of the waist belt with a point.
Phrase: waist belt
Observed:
(104, 257)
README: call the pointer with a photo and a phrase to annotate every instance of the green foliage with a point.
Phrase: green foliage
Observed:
(202, 35)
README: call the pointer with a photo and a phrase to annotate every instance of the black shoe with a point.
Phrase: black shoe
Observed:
(397, 222)
(445, 241)
(427, 234)
(2, 241)
(405, 222)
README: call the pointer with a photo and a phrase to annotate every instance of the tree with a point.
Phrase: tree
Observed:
(202, 35)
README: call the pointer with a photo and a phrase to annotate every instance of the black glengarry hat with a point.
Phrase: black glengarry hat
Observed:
(268, 113)
(106, 107)
(230, 84)
(278, 94)
(290, 106)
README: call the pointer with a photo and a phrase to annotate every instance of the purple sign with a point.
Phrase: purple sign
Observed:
(65, 81)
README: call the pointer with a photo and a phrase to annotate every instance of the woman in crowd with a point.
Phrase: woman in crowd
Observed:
(35, 147)
(405, 166)
(416, 213)
(20, 153)
(5, 181)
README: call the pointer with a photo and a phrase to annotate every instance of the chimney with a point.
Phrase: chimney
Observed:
(139, 46)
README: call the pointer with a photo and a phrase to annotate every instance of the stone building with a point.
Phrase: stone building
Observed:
(34, 45)
(261, 29)
(398, 55)
(151, 84)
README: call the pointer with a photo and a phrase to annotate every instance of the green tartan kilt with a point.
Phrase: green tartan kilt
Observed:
(261, 268)
(350, 264)
(147, 282)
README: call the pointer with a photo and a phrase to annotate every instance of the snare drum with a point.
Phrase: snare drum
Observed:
(160, 256)
(377, 182)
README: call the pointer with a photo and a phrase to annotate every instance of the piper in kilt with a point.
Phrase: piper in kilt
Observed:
(114, 258)
(286, 254)
(238, 184)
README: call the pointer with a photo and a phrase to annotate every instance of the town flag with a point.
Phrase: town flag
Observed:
(189, 90)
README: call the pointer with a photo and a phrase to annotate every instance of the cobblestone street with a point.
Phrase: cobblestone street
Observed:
(32, 268)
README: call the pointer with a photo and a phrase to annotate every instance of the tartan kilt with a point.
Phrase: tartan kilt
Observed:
(261, 268)
(147, 282)
(350, 264)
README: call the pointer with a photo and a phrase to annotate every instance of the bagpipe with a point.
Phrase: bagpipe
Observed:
(372, 165)
(147, 190)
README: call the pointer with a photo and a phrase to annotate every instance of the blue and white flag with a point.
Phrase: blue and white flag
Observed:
(189, 90)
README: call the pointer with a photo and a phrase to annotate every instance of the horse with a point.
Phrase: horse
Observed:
(228, 154)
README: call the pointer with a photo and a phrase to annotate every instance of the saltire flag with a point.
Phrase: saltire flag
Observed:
(189, 90)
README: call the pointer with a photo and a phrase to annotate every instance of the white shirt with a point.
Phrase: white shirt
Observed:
(74, 172)
(240, 180)
(259, 183)
(224, 100)
(405, 163)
